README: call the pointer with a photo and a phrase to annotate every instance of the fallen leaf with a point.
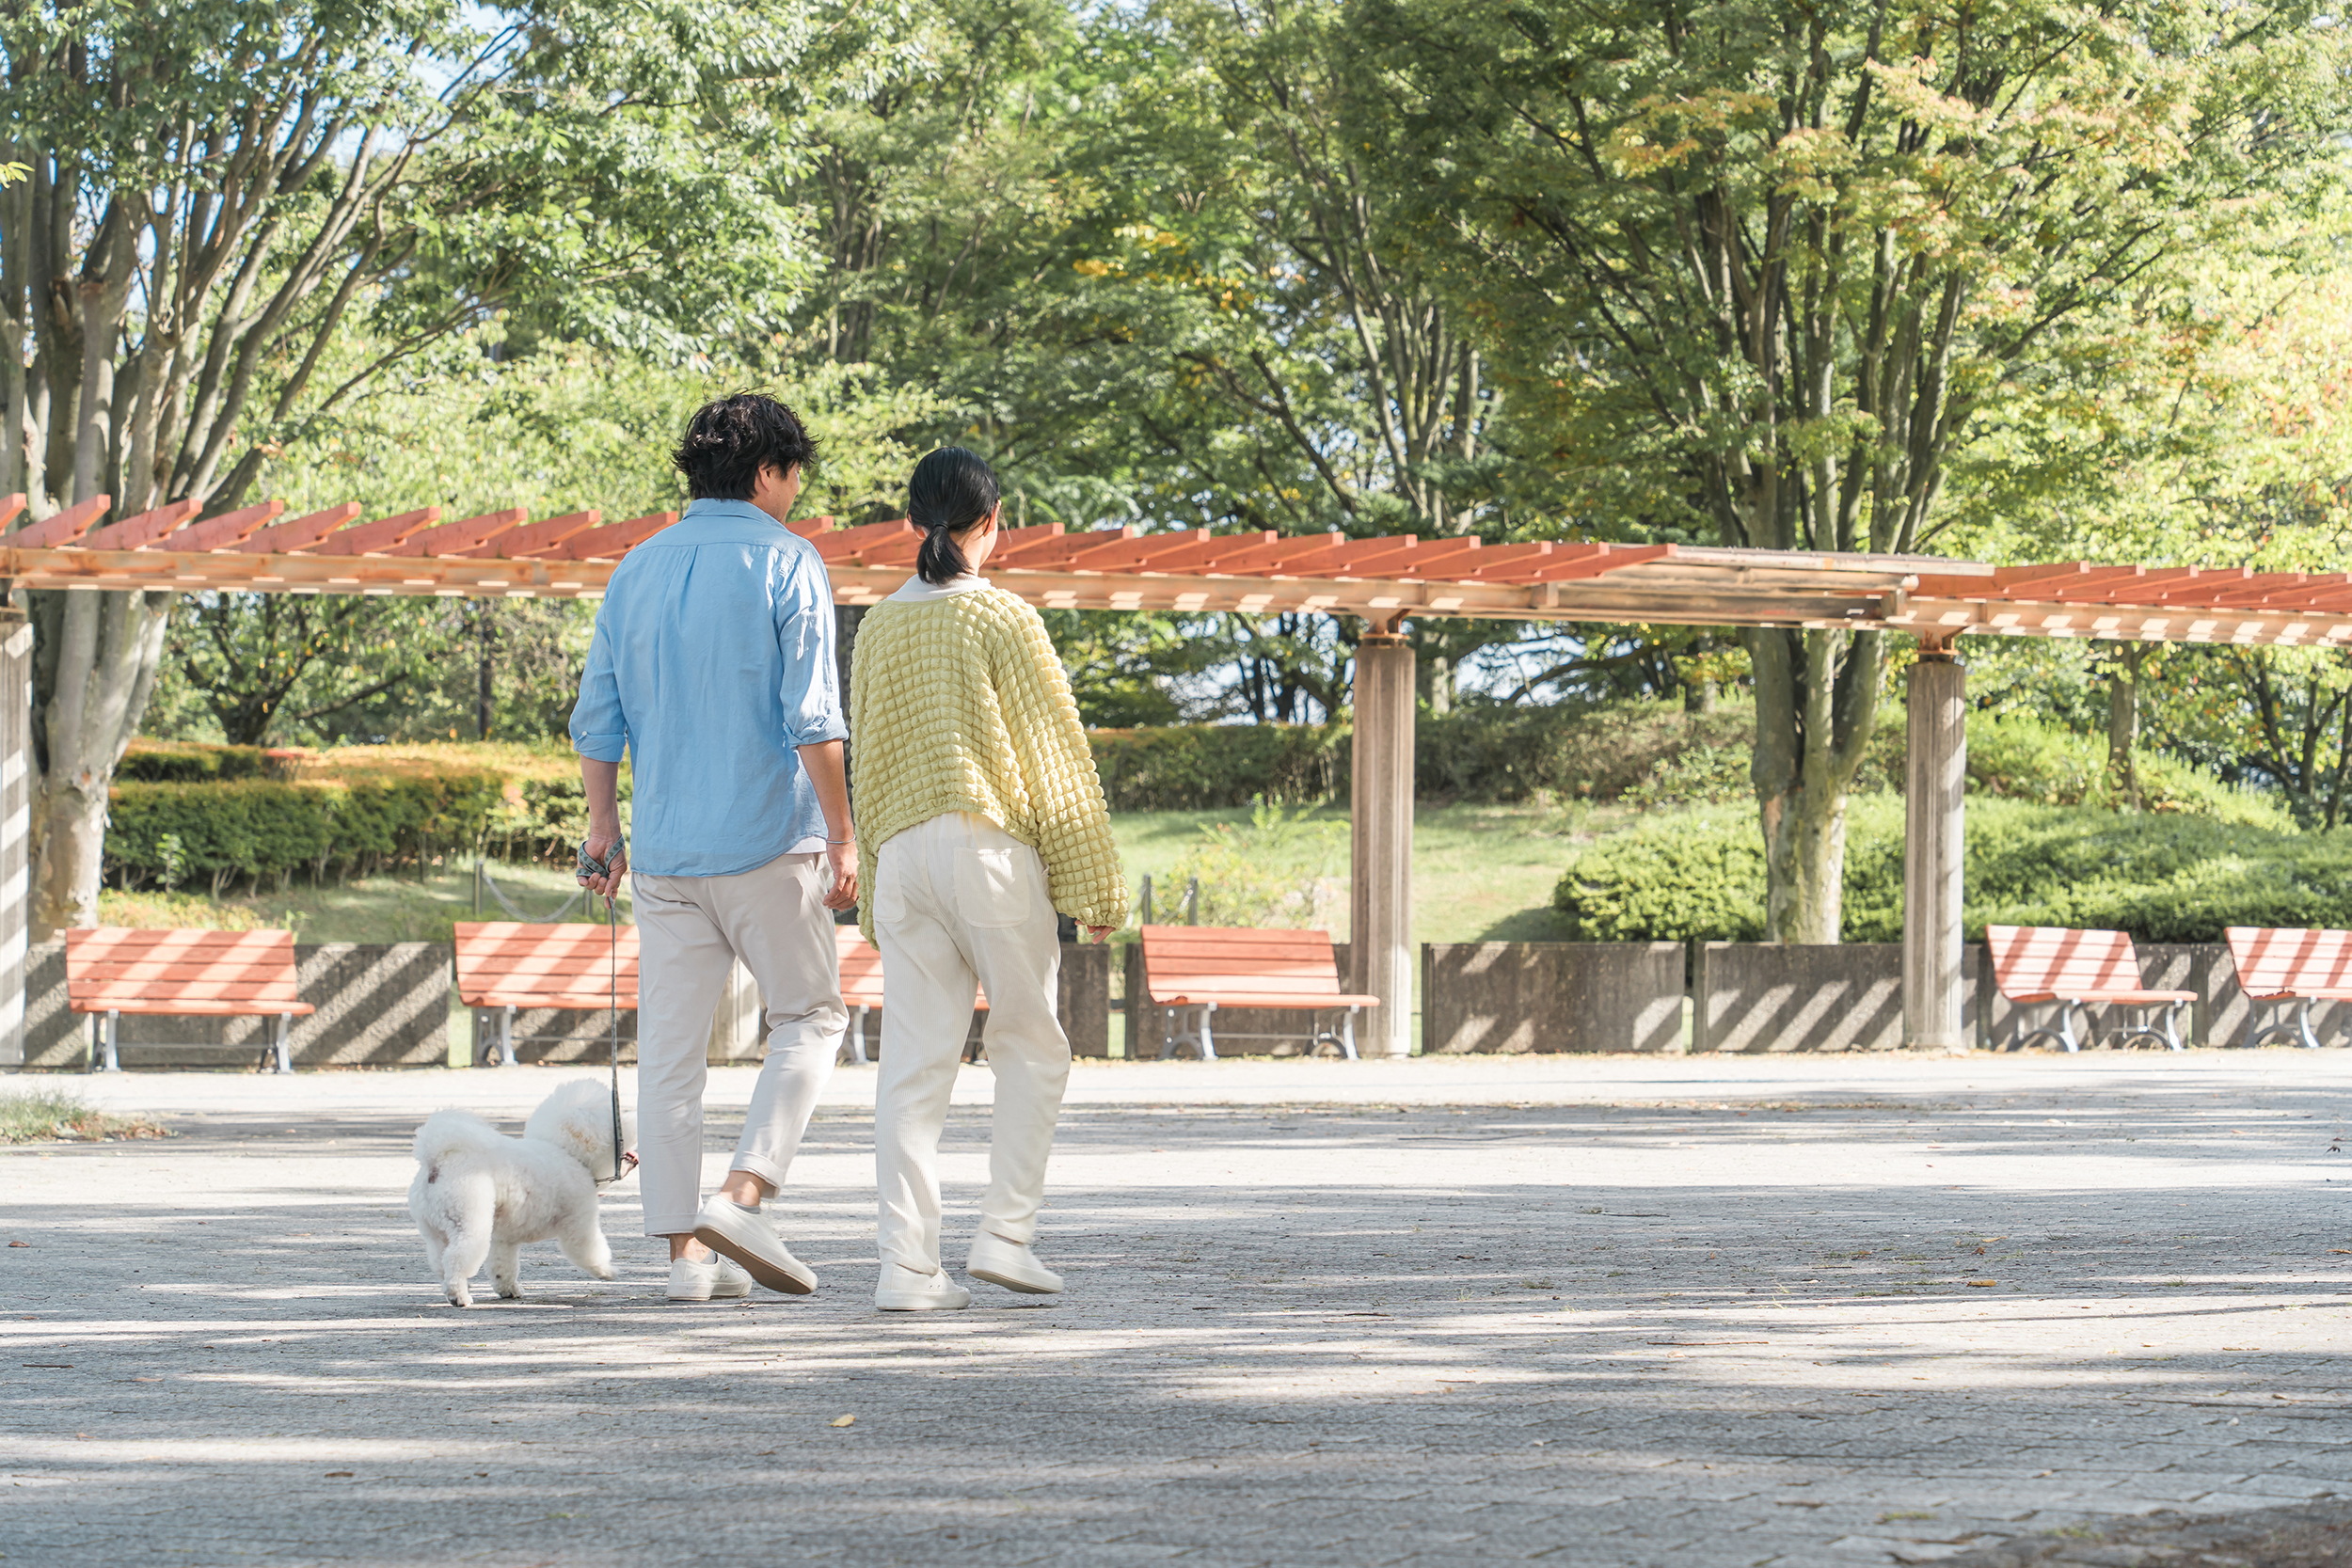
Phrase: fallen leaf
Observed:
(1982, 1284)
(19, 1244)
(1980, 1252)
(843, 1421)
(339, 1472)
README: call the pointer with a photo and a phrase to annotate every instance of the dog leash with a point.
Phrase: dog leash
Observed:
(591, 867)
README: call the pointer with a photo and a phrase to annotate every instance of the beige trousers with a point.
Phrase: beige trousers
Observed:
(691, 931)
(959, 902)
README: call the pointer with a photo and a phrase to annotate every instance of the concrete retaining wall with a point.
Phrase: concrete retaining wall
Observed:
(387, 1005)
(1771, 997)
(379, 1006)
(1509, 997)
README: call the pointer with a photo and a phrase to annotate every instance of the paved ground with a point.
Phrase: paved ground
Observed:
(1624, 1312)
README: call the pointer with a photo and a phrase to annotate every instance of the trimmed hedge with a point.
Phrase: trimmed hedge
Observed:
(170, 834)
(188, 762)
(1202, 767)
(1700, 877)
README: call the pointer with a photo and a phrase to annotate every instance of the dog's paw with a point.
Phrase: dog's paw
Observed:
(510, 1291)
(601, 1270)
(461, 1297)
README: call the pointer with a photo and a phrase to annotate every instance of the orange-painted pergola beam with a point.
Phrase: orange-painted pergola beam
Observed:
(1384, 580)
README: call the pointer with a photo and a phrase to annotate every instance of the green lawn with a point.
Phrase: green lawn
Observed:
(1479, 873)
(371, 909)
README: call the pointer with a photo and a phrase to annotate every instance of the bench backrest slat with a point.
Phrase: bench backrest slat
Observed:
(1188, 960)
(114, 967)
(517, 962)
(2029, 960)
(2270, 959)
(861, 966)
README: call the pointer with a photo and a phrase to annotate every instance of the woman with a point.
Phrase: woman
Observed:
(978, 815)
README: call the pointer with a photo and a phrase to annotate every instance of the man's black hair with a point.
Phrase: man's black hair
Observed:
(731, 439)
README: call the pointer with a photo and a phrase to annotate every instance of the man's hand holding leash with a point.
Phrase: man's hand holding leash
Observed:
(603, 863)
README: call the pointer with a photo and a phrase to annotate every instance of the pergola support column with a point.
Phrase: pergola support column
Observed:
(1380, 891)
(16, 828)
(1936, 772)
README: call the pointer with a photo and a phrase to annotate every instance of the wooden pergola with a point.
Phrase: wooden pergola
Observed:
(1383, 582)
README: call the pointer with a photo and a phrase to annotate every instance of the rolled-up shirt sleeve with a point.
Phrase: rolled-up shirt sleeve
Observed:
(811, 688)
(599, 728)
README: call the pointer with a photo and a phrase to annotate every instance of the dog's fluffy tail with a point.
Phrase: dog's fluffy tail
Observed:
(447, 1133)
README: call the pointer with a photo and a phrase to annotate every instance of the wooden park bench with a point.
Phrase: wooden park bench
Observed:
(505, 967)
(2034, 965)
(1192, 970)
(862, 989)
(110, 971)
(2280, 967)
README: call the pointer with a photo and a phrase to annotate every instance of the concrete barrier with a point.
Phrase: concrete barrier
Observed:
(377, 1005)
(1761, 996)
(1509, 997)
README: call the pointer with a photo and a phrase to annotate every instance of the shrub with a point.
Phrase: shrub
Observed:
(1204, 767)
(1280, 873)
(175, 833)
(2162, 878)
(188, 762)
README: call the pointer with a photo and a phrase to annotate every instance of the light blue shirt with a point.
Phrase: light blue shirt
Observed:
(712, 660)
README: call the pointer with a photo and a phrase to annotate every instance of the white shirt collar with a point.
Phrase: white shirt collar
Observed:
(915, 591)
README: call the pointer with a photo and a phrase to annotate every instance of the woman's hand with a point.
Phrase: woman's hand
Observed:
(1099, 933)
(841, 858)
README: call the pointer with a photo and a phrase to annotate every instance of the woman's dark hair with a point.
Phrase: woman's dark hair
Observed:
(731, 439)
(952, 490)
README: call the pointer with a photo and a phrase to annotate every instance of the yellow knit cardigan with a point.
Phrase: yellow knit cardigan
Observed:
(961, 704)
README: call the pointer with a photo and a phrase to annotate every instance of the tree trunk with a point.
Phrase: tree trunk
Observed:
(95, 660)
(1816, 702)
(1805, 852)
(2123, 726)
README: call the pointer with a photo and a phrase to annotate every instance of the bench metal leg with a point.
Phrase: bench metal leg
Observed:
(506, 1037)
(856, 1042)
(2136, 1025)
(2257, 1031)
(1199, 1035)
(2062, 1031)
(1344, 1038)
(285, 1046)
(113, 1062)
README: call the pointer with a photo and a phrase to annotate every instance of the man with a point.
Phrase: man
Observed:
(712, 666)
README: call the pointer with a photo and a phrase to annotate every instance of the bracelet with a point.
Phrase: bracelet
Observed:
(850, 840)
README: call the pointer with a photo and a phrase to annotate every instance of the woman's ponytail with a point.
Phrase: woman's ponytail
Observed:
(952, 490)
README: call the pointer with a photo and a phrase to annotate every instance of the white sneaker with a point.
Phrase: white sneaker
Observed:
(1010, 1264)
(902, 1290)
(712, 1278)
(745, 1235)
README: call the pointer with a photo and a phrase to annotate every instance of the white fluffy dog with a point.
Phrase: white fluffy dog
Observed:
(481, 1195)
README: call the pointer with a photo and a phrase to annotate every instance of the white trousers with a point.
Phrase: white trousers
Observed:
(691, 931)
(959, 902)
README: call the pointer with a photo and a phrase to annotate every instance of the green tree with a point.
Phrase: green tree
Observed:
(1768, 270)
(218, 189)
